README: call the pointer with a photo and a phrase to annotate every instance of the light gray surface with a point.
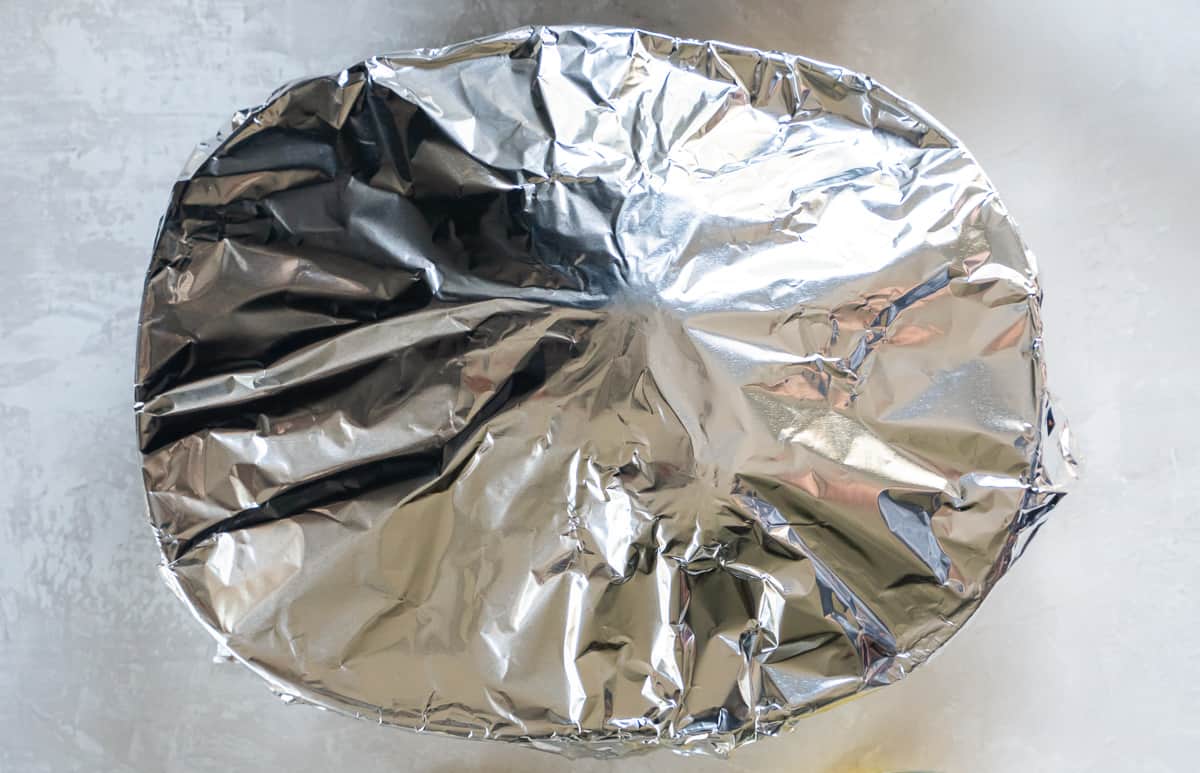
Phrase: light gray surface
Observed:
(1084, 659)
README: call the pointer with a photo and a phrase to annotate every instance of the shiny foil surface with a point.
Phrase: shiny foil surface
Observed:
(590, 388)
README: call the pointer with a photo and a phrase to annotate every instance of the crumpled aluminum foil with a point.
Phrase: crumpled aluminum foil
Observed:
(590, 388)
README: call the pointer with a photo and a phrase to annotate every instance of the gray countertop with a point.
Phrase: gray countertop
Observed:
(1084, 659)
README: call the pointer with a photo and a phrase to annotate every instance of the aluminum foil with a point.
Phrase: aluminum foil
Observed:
(590, 388)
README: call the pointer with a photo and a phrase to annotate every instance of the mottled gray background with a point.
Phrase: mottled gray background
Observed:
(1086, 115)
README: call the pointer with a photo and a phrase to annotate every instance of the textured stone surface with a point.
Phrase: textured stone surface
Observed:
(1086, 657)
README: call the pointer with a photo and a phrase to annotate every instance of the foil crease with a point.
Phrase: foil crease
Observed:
(590, 388)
